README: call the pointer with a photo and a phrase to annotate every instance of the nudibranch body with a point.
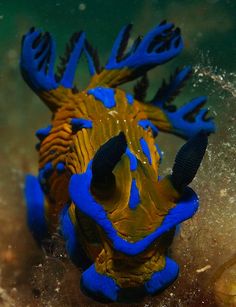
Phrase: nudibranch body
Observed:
(98, 181)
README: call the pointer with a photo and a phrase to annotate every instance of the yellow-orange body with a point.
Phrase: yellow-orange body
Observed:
(99, 177)
(77, 149)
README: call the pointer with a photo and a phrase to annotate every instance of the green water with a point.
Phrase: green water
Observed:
(206, 242)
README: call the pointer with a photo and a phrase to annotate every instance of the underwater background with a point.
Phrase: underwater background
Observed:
(205, 246)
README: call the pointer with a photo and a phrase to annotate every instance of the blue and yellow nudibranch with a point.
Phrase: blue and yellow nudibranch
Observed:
(98, 181)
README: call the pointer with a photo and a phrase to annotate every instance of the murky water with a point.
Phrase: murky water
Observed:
(205, 246)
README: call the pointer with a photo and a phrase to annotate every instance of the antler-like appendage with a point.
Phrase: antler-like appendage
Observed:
(160, 45)
(186, 121)
(37, 60)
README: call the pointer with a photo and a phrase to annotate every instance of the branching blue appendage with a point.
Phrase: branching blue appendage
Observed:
(160, 45)
(38, 58)
(189, 119)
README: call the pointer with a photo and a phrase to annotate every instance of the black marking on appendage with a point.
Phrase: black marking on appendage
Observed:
(64, 59)
(108, 155)
(94, 56)
(123, 43)
(188, 160)
(140, 88)
(169, 90)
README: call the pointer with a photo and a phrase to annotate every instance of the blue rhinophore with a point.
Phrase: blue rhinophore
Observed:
(160, 152)
(163, 278)
(147, 53)
(42, 133)
(130, 99)
(70, 235)
(60, 167)
(84, 201)
(132, 160)
(145, 149)
(98, 285)
(35, 208)
(187, 129)
(80, 123)
(134, 198)
(146, 123)
(105, 95)
(37, 60)
(189, 119)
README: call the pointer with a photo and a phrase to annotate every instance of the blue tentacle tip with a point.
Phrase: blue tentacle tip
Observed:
(60, 167)
(130, 99)
(80, 123)
(42, 133)
(145, 124)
